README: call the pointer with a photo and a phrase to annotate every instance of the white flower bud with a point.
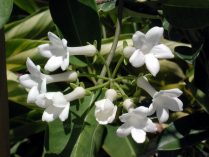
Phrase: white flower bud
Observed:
(111, 94)
(128, 104)
(77, 93)
(88, 50)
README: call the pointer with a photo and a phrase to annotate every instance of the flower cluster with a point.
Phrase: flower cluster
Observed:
(145, 50)
(136, 120)
(55, 104)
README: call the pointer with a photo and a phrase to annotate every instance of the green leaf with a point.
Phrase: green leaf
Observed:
(188, 54)
(27, 5)
(34, 27)
(184, 132)
(107, 6)
(90, 138)
(61, 137)
(117, 146)
(5, 11)
(80, 23)
(186, 14)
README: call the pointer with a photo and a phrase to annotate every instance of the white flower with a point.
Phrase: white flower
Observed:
(147, 50)
(58, 52)
(162, 101)
(56, 104)
(36, 81)
(137, 124)
(128, 104)
(105, 109)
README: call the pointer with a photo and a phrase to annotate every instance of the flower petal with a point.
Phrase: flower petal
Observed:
(152, 64)
(59, 100)
(138, 135)
(32, 95)
(53, 63)
(27, 82)
(50, 113)
(173, 104)
(137, 59)
(123, 130)
(32, 68)
(141, 110)
(138, 39)
(65, 63)
(128, 51)
(171, 92)
(150, 126)
(41, 101)
(161, 51)
(162, 114)
(43, 86)
(113, 113)
(152, 109)
(54, 39)
(65, 112)
(153, 36)
(45, 51)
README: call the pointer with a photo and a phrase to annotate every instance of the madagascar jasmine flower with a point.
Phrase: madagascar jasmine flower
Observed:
(128, 104)
(105, 109)
(58, 52)
(137, 124)
(37, 78)
(56, 104)
(147, 50)
(162, 101)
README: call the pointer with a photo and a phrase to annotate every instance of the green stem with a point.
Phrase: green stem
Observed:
(105, 65)
(121, 90)
(117, 66)
(115, 41)
(98, 86)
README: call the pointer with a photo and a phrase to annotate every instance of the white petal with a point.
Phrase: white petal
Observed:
(153, 35)
(65, 112)
(141, 110)
(171, 92)
(143, 83)
(152, 64)
(128, 51)
(50, 113)
(65, 63)
(138, 135)
(124, 117)
(27, 82)
(32, 95)
(152, 109)
(162, 114)
(53, 63)
(111, 118)
(55, 40)
(123, 130)
(161, 51)
(138, 39)
(45, 51)
(43, 86)
(59, 100)
(42, 102)
(32, 68)
(137, 59)
(150, 126)
(173, 104)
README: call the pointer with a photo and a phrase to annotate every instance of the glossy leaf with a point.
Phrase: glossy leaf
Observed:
(5, 11)
(117, 146)
(34, 27)
(29, 6)
(187, 14)
(90, 138)
(81, 21)
(60, 137)
(185, 132)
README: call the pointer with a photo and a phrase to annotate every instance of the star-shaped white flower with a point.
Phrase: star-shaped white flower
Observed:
(36, 81)
(105, 109)
(137, 124)
(146, 50)
(56, 104)
(58, 52)
(162, 101)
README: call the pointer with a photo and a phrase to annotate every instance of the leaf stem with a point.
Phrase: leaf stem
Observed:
(98, 86)
(117, 66)
(115, 41)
